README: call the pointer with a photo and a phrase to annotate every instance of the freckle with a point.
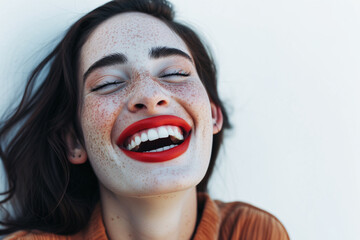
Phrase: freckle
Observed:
(117, 217)
(112, 219)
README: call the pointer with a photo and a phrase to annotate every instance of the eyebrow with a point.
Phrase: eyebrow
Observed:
(109, 60)
(119, 58)
(159, 52)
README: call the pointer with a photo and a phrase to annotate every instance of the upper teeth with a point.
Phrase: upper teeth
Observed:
(154, 133)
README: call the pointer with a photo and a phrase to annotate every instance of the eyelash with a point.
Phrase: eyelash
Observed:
(105, 84)
(176, 73)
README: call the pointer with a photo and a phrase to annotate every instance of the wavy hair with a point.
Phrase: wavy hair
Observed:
(46, 191)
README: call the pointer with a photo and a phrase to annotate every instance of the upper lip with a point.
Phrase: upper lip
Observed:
(152, 122)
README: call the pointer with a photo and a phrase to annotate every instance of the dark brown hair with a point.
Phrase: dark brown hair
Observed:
(46, 191)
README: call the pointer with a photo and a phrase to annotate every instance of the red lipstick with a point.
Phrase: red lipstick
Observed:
(154, 122)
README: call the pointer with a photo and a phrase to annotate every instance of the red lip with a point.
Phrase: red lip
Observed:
(152, 123)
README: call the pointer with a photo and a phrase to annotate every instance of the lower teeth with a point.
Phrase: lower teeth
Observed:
(162, 148)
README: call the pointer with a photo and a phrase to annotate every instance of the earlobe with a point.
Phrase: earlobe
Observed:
(76, 152)
(217, 118)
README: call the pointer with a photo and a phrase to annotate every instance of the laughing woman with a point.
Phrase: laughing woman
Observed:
(120, 138)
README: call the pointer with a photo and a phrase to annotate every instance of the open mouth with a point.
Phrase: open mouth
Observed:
(155, 139)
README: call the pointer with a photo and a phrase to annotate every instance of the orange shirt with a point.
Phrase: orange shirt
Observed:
(216, 220)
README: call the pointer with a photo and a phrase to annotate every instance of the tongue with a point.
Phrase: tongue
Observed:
(174, 139)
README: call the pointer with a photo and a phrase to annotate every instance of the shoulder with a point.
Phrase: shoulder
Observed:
(237, 220)
(95, 230)
(246, 221)
(35, 235)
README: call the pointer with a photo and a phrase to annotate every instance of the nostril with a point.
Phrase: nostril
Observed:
(139, 105)
(162, 102)
(147, 104)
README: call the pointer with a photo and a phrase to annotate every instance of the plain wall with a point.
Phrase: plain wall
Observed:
(289, 73)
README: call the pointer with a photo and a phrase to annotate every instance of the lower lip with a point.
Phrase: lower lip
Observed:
(163, 156)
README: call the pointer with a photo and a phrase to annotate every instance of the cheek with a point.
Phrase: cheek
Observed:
(194, 98)
(98, 116)
(192, 93)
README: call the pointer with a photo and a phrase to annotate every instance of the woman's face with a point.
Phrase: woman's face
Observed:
(131, 68)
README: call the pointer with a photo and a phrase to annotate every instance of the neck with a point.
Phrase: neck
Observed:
(168, 216)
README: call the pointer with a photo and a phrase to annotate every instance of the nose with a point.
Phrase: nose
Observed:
(148, 95)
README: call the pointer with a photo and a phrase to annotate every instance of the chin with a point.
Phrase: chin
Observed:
(170, 187)
(159, 181)
(180, 174)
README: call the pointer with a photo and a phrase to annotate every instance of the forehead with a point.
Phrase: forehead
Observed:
(132, 34)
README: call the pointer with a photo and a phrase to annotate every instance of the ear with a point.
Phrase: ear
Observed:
(217, 118)
(76, 152)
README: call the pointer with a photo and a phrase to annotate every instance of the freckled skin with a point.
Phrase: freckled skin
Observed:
(105, 116)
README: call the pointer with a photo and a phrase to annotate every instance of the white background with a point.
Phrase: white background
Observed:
(289, 72)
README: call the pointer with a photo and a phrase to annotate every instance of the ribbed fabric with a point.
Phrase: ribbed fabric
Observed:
(236, 220)
(216, 220)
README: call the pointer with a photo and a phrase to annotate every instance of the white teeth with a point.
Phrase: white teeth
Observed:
(152, 134)
(171, 146)
(171, 132)
(133, 144)
(137, 140)
(155, 133)
(144, 137)
(178, 135)
(162, 149)
(163, 133)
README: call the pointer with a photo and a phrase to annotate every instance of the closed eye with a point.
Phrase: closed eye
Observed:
(106, 85)
(176, 73)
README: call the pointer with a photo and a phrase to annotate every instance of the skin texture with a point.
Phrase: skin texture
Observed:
(148, 200)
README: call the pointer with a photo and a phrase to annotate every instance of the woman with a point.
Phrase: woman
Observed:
(120, 139)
